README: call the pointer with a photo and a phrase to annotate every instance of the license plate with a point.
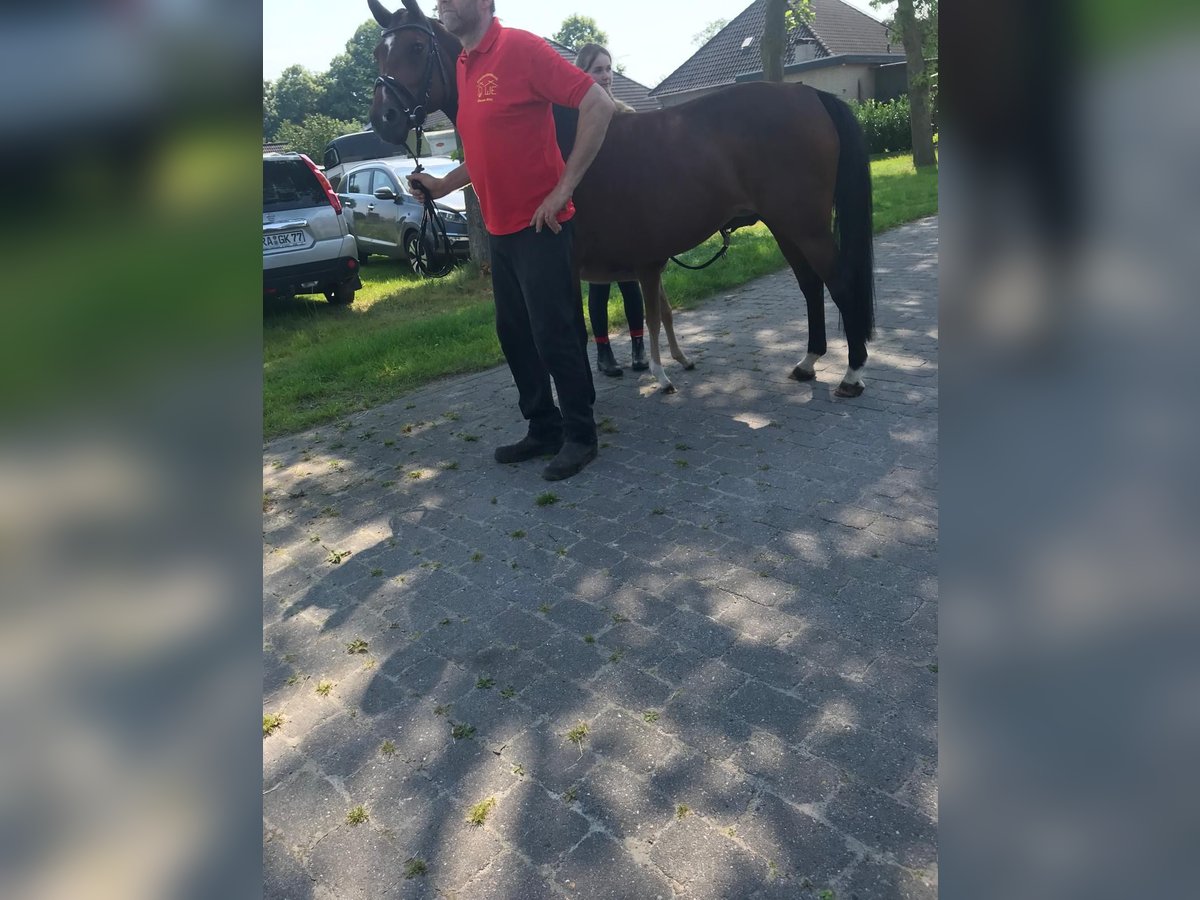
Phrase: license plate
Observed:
(285, 240)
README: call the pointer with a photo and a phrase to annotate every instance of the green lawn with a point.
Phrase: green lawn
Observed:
(321, 362)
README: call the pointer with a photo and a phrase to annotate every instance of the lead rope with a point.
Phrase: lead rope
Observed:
(724, 248)
(432, 222)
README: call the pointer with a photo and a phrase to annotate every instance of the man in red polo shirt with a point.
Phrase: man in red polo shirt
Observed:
(508, 81)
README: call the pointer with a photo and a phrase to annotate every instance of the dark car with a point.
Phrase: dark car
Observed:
(385, 217)
(307, 244)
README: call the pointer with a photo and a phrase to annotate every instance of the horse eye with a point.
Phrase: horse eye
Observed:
(417, 48)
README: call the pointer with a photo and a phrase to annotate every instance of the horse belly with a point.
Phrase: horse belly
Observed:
(611, 238)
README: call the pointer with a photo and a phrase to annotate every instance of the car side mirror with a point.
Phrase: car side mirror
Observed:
(385, 193)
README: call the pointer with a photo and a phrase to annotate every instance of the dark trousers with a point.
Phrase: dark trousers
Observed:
(631, 293)
(539, 321)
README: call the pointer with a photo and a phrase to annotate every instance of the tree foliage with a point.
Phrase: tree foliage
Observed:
(296, 91)
(311, 135)
(351, 76)
(270, 113)
(700, 38)
(578, 30)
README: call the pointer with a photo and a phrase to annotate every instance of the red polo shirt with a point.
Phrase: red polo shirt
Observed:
(506, 87)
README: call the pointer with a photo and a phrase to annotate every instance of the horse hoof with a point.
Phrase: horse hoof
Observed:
(799, 374)
(669, 389)
(848, 390)
(689, 365)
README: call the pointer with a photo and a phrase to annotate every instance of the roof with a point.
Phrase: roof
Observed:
(837, 30)
(624, 89)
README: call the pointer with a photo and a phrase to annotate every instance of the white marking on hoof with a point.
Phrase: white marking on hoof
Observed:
(809, 363)
(660, 375)
(852, 385)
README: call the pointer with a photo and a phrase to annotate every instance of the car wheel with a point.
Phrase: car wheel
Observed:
(340, 294)
(417, 252)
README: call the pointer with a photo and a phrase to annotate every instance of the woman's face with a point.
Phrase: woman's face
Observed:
(601, 72)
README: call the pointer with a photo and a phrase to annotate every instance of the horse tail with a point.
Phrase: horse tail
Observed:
(853, 225)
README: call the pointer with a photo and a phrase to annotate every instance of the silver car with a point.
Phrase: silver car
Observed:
(385, 217)
(307, 244)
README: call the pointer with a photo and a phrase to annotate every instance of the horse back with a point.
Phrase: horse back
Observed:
(664, 180)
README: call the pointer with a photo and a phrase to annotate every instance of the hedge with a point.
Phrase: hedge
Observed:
(886, 125)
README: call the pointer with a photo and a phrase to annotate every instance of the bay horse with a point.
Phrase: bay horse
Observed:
(665, 180)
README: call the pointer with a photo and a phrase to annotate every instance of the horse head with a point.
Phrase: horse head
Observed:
(416, 58)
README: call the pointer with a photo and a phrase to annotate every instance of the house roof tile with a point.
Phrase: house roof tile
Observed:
(624, 89)
(837, 29)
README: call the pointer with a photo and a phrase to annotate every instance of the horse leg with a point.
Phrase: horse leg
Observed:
(668, 321)
(813, 290)
(651, 280)
(822, 253)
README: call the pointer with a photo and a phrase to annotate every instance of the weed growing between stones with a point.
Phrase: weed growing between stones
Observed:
(357, 816)
(271, 721)
(479, 812)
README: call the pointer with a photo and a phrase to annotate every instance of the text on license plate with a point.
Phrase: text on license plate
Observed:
(284, 239)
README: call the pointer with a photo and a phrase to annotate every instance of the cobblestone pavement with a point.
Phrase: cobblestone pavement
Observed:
(738, 600)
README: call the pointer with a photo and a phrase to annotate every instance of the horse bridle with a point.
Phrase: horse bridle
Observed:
(415, 110)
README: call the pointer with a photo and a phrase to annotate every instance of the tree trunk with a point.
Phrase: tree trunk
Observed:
(481, 252)
(774, 38)
(918, 85)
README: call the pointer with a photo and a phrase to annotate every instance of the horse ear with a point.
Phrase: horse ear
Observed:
(379, 11)
(414, 10)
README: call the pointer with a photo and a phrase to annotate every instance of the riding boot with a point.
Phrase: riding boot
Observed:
(606, 362)
(639, 363)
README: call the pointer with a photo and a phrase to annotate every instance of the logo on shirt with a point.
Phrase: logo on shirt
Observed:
(485, 87)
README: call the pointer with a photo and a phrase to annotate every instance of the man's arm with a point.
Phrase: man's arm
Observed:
(594, 114)
(423, 182)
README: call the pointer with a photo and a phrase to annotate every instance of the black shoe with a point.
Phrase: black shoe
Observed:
(528, 447)
(571, 458)
(639, 363)
(606, 363)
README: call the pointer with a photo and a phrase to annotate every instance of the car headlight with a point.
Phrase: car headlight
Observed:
(450, 215)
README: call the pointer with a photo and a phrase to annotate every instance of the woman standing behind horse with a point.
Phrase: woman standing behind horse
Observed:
(597, 62)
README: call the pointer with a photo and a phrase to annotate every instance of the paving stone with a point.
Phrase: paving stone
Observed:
(799, 845)
(362, 862)
(570, 657)
(284, 878)
(776, 600)
(863, 755)
(785, 716)
(699, 632)
(884, 825)
(398, 798)
(628, 804)
(341, 745)
(629, 687)
(601, 869)
(880, 881)
(508, 877)
(469, 770)
(793, 774)
(548, 758)
(766, 663)
(715, 790)
(540, 823)
(708, 728)
(304, 809)
(706, 862)
(625, 737)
